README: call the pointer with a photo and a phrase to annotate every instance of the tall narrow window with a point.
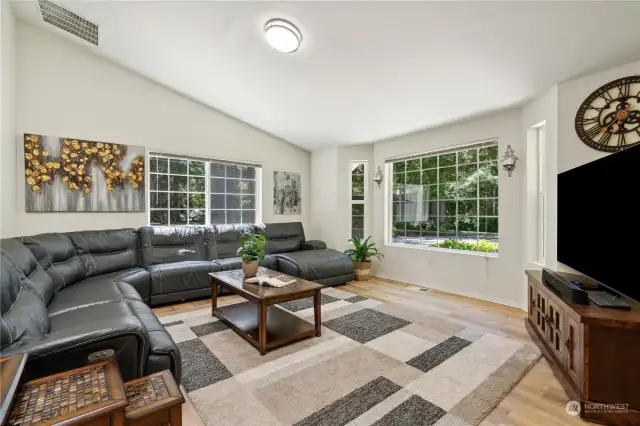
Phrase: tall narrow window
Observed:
(447, 198)
(194, 191)
(358, 196)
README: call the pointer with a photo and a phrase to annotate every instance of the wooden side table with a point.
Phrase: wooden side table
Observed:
(92, 395)
(11, 369)
(154, 400)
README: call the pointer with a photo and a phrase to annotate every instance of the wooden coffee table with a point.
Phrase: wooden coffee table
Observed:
(259, 322)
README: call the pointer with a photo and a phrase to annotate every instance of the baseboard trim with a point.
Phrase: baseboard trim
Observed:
(471, 295)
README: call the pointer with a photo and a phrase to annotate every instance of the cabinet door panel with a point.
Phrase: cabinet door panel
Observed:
(556, 331)
(532, 302)
(542, 306)
(574, 361)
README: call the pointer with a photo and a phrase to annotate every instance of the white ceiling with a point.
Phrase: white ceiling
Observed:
(365, 71)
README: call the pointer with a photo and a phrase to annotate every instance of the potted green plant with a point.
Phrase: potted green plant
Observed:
(252, 252)
(361, 255)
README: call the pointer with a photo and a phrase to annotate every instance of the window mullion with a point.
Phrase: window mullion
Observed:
(207, 192)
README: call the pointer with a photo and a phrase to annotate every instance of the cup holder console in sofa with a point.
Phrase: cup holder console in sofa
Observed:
(66, 296)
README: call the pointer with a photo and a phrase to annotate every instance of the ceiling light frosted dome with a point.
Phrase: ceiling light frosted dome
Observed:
(282, 35)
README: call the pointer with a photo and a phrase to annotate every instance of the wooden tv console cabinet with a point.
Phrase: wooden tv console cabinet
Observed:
(594, 351)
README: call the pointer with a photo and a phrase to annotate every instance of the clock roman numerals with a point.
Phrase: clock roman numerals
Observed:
(589, 121)
(604, 138)
(622, 140)
(624, 89)
(608, 119)
(607, 97)
(593, 131)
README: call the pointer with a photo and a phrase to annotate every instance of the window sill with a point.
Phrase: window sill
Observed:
(444, 250)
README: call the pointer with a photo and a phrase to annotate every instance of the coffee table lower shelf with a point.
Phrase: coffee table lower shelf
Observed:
(282, 327)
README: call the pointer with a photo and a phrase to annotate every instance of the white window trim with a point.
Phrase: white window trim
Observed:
(541, 166)
(207, 193)
(364, 201)
(388, 211)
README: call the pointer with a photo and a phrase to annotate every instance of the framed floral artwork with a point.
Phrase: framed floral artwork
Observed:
(72, 175)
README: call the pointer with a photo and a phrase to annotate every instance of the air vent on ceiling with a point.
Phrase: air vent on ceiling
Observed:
(68, 21)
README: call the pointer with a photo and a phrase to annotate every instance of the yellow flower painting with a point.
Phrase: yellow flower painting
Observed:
(65, 174)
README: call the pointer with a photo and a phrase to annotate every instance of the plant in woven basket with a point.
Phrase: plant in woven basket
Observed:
(251, 250)
(361, 255)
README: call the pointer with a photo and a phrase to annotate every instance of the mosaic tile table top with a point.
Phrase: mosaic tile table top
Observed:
(75, 396)
(376, 363)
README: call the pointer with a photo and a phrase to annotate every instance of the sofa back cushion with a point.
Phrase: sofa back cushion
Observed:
(283, 237)
(24, 262)
(106, 251)
(57, 255)
(24, 314)
(167, 244)
(227, 239)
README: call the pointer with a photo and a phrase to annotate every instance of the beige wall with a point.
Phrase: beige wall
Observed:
(7, 126)
(64, 90)
(497, 279)
(330, 206)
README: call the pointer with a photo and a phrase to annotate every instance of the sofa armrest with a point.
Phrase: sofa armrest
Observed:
(70, 347)
(313, 245)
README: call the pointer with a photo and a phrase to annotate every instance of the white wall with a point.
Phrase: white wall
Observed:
(324, 183)
(330, 206)
(65, 90)
(7, 111)
(498, 279)
(542, 109)
(572, 152)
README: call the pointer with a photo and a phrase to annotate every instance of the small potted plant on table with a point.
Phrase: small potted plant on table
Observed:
(361, 255)
(252, 251)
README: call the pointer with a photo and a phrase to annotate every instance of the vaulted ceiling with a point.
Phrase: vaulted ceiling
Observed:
(365, 71)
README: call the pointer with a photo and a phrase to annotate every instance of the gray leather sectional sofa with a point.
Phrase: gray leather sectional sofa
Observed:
(65, 297)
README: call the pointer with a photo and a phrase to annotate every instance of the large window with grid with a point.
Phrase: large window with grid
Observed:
(195, 191)
(446, 199)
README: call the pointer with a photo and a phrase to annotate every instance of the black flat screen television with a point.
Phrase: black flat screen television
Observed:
(599, 220)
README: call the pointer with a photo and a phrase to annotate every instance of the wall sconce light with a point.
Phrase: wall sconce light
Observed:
(509, 160)
(377, 176)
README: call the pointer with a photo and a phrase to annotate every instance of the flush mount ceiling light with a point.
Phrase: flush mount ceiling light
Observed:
(282, 35)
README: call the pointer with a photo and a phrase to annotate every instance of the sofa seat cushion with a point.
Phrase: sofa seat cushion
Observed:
(232, 263)
(181, 276)
(111, 325)
(139, 278)
(315, 264)
(91, 291)
(163, 352)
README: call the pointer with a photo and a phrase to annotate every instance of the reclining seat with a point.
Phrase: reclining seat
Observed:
(309, 260)
(179, 260)
(83, 315)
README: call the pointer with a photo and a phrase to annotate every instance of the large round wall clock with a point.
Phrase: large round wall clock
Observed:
(609, 119)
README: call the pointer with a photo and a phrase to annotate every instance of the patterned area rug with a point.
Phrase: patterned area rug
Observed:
(375, 364)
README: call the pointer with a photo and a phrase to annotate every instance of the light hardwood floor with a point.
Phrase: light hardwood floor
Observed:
(537, 400)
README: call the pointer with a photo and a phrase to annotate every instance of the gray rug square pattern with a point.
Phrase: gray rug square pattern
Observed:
(438, 354)
(200, 367)
(350, 375)
(306, 303)
(415, 411)
(365, 325)
(352, 405)
(208, 328)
